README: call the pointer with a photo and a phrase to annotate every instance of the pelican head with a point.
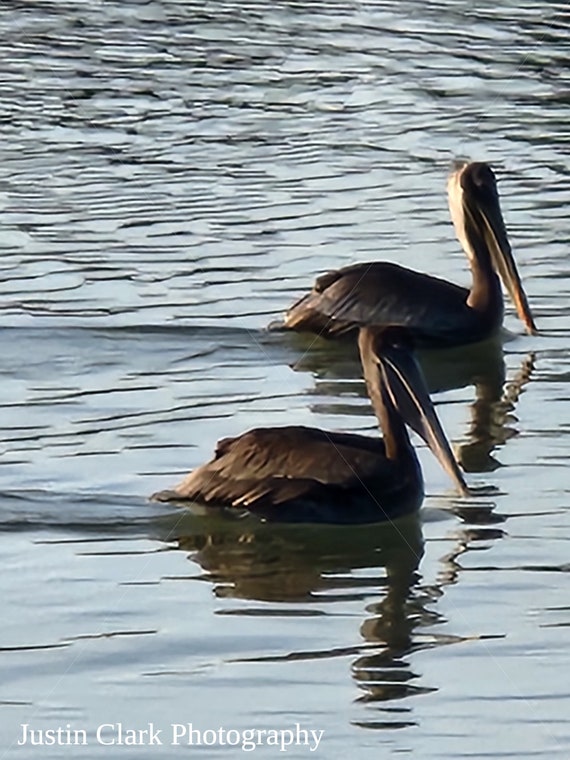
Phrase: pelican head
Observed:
(476, 213)
(387, 355)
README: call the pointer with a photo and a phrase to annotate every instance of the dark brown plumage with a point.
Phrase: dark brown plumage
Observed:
(437, 312)
(305, 474)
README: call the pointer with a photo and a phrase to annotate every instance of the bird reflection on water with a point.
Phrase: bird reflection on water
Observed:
(491, 414)
(482, 366)
(336, 370)
(318, 569)
(247, 558)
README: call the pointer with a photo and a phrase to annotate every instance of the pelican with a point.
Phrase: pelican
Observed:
(437, 312)
(303, 474)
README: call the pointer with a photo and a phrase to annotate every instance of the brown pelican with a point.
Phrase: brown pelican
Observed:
(437, 312)
(304, 474)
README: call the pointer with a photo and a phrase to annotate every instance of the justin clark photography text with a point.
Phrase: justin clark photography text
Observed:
(117, 734)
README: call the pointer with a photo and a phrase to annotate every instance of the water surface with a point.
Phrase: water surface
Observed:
(173, 175)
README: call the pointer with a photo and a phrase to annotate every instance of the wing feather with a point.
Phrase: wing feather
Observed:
(380, 293)
(277, 465)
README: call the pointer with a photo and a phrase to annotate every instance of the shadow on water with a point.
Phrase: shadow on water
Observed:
(321, 569)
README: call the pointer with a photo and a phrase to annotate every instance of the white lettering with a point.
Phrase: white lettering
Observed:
(153, 734)
(178, 731)
(317, 740)
(61, 736)
(186, 731)
(99, 734)
(285, 734)
(248, 744)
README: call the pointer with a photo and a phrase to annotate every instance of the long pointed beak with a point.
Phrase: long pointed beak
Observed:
(403, 380)
(497, 240)
(479, 207)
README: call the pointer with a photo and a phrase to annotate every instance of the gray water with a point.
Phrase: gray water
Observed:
(173, 175)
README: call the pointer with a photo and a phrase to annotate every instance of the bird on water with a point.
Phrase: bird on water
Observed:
(438, 313)
(304, 474)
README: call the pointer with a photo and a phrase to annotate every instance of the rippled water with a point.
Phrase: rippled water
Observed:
(173, 175)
